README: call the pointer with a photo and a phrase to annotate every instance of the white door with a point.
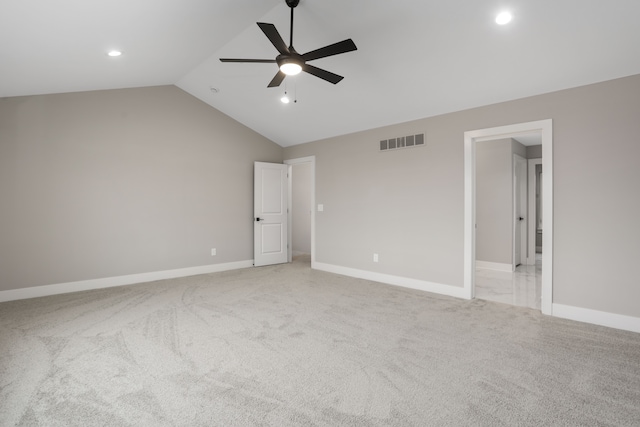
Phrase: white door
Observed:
(270, 214)
(520, 209)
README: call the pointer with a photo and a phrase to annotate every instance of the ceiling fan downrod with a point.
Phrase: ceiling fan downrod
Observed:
(292, 4)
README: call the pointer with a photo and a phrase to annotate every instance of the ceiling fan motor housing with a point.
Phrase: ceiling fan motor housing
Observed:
(293, 57)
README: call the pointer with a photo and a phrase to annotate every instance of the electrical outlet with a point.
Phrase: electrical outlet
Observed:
(375, 257)
(213, 252)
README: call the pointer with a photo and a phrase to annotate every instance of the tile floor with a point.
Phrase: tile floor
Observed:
(521, 287)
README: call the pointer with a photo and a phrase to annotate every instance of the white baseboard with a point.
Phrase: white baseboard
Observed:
(108, 282)
(405, 282)
(602, 318)
(494, 266)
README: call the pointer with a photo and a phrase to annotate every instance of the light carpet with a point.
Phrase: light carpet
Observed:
(286, 345)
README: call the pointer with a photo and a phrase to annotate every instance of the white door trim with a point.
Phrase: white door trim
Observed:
(291, 162)
(531, 239)
(545, 127)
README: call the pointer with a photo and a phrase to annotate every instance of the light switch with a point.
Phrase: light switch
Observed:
(320, 208)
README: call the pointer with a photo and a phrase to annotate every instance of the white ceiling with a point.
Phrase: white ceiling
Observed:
(415, 58)
(530, 139)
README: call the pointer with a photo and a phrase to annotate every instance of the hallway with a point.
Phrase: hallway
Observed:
(520, 288)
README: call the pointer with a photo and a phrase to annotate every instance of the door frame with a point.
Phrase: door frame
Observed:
(522, 201)
(532, 222)
(545, 128)
(291, 162)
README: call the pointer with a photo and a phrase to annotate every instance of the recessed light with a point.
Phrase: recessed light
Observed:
(114, 53)
(504, 18)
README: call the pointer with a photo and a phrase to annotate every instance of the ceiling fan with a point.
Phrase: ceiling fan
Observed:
(291, 62)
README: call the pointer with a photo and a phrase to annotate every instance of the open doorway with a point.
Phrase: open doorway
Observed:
(544, 130)
(502, 272)
(301, 245)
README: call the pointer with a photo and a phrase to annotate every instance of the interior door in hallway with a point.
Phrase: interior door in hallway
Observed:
(520, 209)
(270, 214)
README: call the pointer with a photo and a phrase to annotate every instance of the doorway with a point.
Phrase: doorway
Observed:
(544, 127)
(301, 210)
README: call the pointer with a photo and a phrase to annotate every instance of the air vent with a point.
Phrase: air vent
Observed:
(409, 141)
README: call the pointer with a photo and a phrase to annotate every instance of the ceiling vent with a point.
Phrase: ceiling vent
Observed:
(402, 142)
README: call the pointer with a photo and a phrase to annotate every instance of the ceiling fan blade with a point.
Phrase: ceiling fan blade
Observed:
(333, 49)
(273, 35)
(279, 77)
(323, 74)
(268, 61)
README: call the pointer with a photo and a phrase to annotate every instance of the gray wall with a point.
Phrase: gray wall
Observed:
(301, 208)
(110, 183)
(101, 184)
(517, 148)
(534, 152)
(408, 204)
(494, 201)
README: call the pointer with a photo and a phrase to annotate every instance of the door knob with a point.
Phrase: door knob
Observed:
(520, 219)
(259, 219)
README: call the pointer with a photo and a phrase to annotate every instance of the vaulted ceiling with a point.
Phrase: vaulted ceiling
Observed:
(415, 58)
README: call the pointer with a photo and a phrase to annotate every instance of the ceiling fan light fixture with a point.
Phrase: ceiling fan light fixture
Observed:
(291, 68)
